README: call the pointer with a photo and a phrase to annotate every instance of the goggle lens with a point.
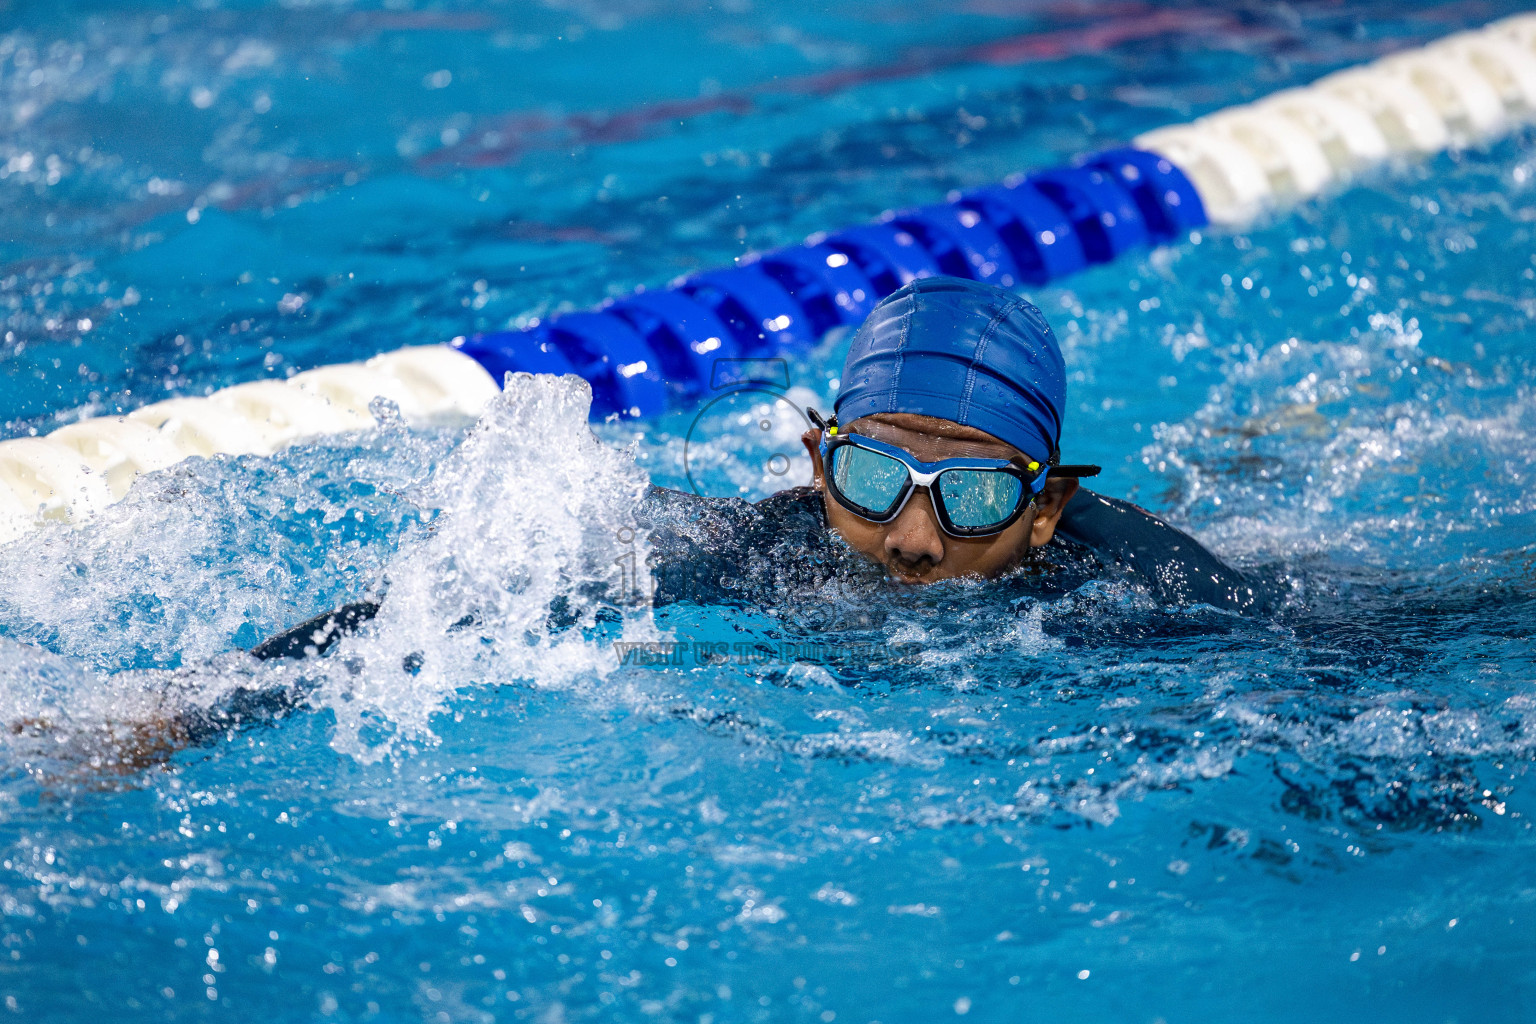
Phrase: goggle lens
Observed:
(871, 480)
(978, 498)
(973, 499)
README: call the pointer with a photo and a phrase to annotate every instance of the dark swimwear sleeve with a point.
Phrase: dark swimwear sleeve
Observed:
(1173, 563)
(319, 634)
(244, 706)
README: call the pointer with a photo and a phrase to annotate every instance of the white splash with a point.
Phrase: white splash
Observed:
(526, 564)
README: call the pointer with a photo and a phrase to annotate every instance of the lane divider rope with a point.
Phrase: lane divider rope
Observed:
(655, 349)
(76, 470)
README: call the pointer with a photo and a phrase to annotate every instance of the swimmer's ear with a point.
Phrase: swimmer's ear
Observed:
(812, 441)
(1049, 507)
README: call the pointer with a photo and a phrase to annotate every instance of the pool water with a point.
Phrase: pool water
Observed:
(958, 802)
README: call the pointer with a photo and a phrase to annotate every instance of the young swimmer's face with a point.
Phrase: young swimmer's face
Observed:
(912, 547)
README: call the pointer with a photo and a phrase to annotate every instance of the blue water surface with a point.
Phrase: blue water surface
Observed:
(873, 806)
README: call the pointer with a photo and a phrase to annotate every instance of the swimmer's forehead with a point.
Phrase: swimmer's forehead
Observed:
(930, 438)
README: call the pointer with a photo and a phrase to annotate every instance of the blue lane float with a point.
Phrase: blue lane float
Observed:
(765, 318)
(1044, 243)
(687, 336)
(1169, 204)
(1102, 212)
(655, 350)
(888, 255)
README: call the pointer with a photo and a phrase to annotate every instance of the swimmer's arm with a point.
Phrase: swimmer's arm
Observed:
(244, 706)
(133, 745)
(319, 634)
(196, 726)
(1177, 566)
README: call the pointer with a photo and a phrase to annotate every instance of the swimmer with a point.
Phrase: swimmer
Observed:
(942, 459)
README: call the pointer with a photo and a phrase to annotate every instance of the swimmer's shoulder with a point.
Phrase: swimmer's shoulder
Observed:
(1175, 565)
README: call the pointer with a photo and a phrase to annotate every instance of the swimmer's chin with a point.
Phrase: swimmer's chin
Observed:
(897, 573)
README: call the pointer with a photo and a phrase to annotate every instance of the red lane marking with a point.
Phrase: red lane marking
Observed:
(1087, 9)
(1026, 48)
(507, 138)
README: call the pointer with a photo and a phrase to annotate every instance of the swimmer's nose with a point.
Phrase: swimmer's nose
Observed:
(914, 541)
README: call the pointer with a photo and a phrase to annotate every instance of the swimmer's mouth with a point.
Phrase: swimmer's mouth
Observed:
(910, 577)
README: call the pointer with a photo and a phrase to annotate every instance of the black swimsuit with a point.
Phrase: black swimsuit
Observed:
(726, 551)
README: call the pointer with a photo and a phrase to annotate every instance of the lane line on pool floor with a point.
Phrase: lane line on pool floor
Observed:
(657, 349)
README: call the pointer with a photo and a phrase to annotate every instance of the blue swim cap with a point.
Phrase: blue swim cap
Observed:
(963, 351)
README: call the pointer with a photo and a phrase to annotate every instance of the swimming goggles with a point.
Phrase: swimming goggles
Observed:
(972, 497)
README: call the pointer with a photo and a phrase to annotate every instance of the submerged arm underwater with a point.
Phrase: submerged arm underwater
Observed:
(707, 551)
(726, 551)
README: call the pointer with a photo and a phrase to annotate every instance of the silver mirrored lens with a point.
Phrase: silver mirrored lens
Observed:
(978, 498)
(868, 479)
